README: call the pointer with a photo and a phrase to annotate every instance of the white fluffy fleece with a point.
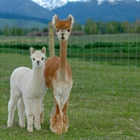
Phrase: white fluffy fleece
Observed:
(28, 89)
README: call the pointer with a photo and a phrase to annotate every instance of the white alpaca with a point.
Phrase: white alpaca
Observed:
(28, 89)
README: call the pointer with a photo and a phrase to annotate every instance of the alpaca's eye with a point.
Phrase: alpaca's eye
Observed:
(33, 59)
(42, 58)
(68, 30)
(57, 30)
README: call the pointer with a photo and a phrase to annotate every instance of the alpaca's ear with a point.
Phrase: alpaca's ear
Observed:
(32, 50)
(43, 50)
(71, 19)
(54, 20)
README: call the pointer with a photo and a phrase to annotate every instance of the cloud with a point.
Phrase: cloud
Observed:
(52, 4)
(78, 0)
(112, 1)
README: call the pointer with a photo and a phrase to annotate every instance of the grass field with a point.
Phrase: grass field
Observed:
(104, 102)
(105, 98)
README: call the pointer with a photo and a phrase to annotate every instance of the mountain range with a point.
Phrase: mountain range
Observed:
(107, 11)
(120, 11)
(23, 10)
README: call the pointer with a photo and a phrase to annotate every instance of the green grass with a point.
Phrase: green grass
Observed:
(112, 48)
(104, 102)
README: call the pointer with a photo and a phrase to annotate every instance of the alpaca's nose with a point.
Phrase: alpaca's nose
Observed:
(62, 36)
(38, 62)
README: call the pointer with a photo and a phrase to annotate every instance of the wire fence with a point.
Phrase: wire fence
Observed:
(98, 61)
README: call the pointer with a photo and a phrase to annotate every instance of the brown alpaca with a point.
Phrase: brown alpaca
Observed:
(58, 76)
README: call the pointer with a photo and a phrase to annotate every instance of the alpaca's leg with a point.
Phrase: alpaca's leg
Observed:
(53, 111)
(11, 109)
(42, 114)
(37, 113)
(57, 120)
(65, 117)
(29, 113)
(21, 112)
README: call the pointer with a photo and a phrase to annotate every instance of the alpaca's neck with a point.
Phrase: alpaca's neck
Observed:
(37, 72)
(63, 59)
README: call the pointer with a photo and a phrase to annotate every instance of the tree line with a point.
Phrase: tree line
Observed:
(90, 27)
(113, 27)
(20, 31)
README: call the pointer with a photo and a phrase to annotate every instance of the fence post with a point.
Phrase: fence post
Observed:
(51, 40)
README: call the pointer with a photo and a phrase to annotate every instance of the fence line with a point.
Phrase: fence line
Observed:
(51, 40)
(99, 61)
(77, 30)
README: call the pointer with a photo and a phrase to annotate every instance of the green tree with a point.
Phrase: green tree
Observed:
(34, 29)
(1, 31)
(77, 27)
(16, 31)
(91, 27)
(125, 27)
(138, 29)
(116, 25)
(45, 29)
(26, 31)
(137, 26)
(101, 27)
(19, 31)
(6, 31)
(13, 31)
(110, 29)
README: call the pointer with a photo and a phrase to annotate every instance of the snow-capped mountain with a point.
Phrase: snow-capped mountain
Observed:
(53, 4)
(98, 10)
(107, 11)
(50, 4)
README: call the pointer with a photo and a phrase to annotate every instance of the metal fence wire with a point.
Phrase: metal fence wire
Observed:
(100, 59)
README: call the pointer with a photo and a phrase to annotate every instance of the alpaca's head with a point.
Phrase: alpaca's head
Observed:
(63, 27)
(38, 57)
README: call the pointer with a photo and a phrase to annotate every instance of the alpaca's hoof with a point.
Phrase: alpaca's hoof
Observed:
(30, 129)
(65, 123)
(22, 125)
(9, 124)
(65, 129)
(57, 124)
(38, 127)
(56, 130)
